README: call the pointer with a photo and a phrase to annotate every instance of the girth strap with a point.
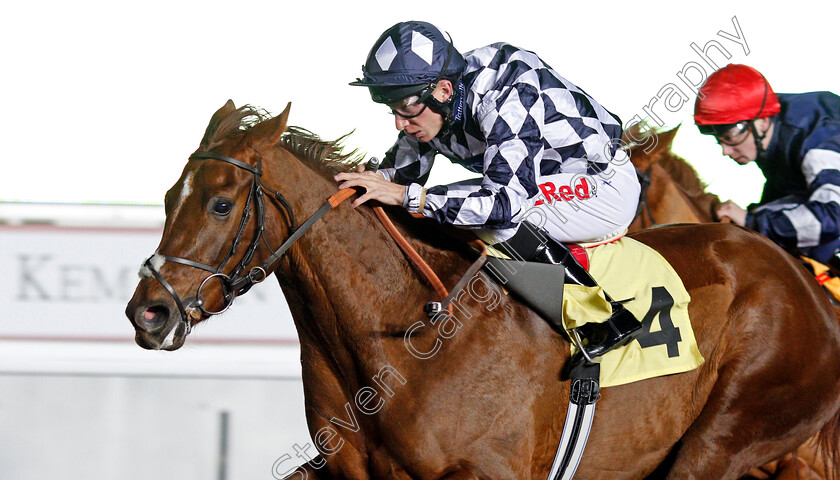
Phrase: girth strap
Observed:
(583, 394)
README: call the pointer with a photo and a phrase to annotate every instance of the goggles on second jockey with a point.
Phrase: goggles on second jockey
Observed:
(732, 134)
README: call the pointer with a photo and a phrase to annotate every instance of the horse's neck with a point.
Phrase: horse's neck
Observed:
(669, 201)
(350, 288)
(687, 177)
(676, 193)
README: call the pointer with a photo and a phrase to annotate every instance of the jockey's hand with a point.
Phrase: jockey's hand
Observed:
(733, 212)
(375, 185)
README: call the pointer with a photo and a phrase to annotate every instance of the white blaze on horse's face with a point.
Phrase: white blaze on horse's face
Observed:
(186, 190)
(157, 262)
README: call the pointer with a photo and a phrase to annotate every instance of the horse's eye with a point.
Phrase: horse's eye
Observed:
(221, 206)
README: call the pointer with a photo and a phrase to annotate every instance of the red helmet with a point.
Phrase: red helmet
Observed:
(733, 94)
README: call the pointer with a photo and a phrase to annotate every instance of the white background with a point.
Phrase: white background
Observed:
(104, 101)
(74, 283)
(80, 400)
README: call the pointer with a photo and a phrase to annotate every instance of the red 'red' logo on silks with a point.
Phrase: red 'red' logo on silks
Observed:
(580, 190)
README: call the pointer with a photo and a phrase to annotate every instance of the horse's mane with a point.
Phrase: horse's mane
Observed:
(236, 122)
(684, 174)
(325, 156)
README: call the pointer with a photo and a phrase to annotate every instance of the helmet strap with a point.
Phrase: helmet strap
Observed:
(450, 109)
(759, 139)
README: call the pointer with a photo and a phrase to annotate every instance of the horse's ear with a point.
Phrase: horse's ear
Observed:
(667, 138)
(650, 146)
(269, 132)
(221, 113)
(639, 142)
(633, 135)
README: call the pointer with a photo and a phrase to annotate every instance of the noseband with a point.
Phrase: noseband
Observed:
(236, 282)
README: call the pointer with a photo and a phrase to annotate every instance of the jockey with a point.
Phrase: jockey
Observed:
(795, 141)
(545, 149)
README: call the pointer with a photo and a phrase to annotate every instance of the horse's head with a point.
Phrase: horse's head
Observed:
(672, 191)
(213, 246)
(647, 146)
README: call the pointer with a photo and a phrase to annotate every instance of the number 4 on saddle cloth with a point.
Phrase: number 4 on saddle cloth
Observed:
(628, 271)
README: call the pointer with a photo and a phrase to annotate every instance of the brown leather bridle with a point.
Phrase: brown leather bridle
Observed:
(238, 281)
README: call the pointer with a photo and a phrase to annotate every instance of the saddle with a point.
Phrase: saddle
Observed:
(624, 267)
(631, 272)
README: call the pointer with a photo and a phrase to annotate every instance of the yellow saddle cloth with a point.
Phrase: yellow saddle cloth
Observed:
(629, 269)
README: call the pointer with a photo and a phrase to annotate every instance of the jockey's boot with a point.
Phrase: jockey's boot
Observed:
(593, 339)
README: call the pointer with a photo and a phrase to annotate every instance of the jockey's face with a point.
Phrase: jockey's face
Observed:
(739, 144)
(743, 153)
(416, 119)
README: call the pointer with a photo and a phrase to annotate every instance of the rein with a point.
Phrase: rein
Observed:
(237, 283)
(433, 308)
(644, 206)
(584, 392)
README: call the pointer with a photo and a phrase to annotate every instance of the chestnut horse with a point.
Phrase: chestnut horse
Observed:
(671, 189)
(484, 399)
(673, 193)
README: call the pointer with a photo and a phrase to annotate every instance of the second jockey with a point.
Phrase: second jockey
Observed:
(795, 141)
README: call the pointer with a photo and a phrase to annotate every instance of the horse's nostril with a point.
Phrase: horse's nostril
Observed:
(152, 318)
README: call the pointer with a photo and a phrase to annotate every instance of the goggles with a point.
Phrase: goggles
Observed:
(412, 106)
(732, 134)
